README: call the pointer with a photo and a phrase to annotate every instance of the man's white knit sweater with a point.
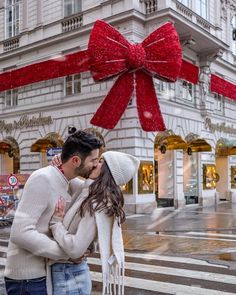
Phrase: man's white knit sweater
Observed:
(30, 241)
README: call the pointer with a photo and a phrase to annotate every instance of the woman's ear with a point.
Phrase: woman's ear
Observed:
(76, 161)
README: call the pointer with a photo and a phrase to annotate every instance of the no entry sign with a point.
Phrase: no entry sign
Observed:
(12, 180)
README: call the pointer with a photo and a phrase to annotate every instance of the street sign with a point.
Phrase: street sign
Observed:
(53, 151)
(12, 180)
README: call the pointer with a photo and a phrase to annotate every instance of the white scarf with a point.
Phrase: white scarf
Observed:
(112, 253)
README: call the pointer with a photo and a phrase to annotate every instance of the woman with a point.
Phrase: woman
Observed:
(97, 211)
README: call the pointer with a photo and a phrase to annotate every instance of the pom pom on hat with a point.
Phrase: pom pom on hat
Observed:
(122, 166)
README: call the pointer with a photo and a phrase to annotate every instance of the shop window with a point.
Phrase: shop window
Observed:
(145, 178)
(12, 18)
(11, 98)
(210, 177)
(72, 6)
(72, 84)
(201, 8)
(128, 187)
(233, 177)
(187, 91)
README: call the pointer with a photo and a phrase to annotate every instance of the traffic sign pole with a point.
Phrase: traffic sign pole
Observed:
(12, 181)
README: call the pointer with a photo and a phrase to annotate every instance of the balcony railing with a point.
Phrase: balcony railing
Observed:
(11, 44)
(184, 10)
(150, 6)
(190, 14)
(72, 23)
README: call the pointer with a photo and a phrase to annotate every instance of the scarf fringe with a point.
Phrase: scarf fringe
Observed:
(113, 280)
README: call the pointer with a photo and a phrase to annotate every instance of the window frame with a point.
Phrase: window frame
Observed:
(73, 4)
(15, 19)
(233, 23)
(187, 3)
(187, 90)
(218, 100)
(200, 7)
(73, 81)
(11, 96)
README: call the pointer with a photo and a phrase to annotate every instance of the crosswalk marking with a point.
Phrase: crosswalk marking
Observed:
(173, 259)
(170, 275)
(201, 275)
(192, 237)
(164, 287)
(211, 234)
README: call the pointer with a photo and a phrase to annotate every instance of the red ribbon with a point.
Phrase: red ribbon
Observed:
(223, 87)
(110, 54)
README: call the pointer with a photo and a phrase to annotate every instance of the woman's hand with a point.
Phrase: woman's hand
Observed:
(56, 160)
(59, 211)
(60, 208)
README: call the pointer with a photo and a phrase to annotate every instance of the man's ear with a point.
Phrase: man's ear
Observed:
(76, 161)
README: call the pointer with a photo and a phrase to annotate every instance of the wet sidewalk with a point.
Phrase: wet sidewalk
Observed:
(207, 233)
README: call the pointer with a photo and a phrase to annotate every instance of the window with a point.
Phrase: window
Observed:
(161, 86)
(234, 35)
(185, 2)
(72, 84)
(145, 178)
(218, 102)
(202, 8)
(12, 18)
(11, 98)
(72, 7)
(187, 91)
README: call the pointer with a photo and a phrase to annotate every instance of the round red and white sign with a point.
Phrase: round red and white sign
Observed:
(12, 180)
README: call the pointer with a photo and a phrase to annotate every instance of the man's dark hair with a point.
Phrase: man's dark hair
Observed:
(80, 143)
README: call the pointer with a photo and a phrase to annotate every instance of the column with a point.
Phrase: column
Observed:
(39, 12)
(24, 15)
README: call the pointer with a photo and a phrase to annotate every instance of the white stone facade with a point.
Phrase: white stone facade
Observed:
(44, 33)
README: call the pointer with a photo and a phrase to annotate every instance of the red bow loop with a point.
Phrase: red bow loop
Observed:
(110, 54)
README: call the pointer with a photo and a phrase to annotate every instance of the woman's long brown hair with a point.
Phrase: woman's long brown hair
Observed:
(104, 195)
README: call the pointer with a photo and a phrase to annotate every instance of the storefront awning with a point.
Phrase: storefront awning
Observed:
(226, 147)
(51, 140)
(199, 145)
(167, 140)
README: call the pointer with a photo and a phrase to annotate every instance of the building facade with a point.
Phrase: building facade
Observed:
(193, 161)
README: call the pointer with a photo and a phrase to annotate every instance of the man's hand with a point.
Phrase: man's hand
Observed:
(80, 259)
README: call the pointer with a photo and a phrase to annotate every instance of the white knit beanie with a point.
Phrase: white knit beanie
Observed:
(122, 166)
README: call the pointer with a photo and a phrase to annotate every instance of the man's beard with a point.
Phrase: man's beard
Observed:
(83, 171)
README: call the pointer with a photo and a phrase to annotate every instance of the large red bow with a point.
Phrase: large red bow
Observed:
(110, 54)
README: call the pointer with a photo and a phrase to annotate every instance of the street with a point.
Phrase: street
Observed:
(188, 251)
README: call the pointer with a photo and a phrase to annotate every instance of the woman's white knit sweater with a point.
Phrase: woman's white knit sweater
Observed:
(30, 240)
(75, 234)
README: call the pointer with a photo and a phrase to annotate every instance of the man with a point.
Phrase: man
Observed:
(30, 241)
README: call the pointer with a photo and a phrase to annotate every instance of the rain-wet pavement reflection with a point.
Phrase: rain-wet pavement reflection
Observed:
(205, 233)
